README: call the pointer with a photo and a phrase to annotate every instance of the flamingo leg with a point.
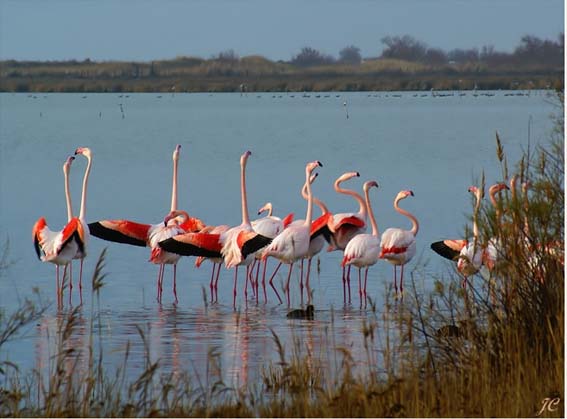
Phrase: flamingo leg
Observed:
(402, 281)
(287, 282)
(264, 282)
(395, 283)
(344, 285)
(348, 281)
(365, 280)
(159, 279)
(258, 280)
(272, 283)
(301, 281)
(234, 289)
(246, 283)
(81, 276)
(211, 284)
(175, 282)
(70, 276)
(217, 282)
(359, 286)
(307, 280)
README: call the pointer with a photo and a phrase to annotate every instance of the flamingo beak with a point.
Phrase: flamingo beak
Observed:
(319, 163)
(357, 174)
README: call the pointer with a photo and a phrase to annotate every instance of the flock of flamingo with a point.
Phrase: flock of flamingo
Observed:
(251, 243)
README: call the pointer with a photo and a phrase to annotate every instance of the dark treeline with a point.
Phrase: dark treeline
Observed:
(405, 63)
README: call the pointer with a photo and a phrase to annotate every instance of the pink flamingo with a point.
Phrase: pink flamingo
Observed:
(345, 226)
(138, 234)
(363, 249)
(269, 226)
(292, 244)
(216, 261)
(239, 243)
(59, 247)
(469, 255)
(82, 251)
(397, 245)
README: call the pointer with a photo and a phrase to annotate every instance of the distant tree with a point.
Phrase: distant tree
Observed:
(227, 56)
(350, 55)
(535, 50)
(309, 57)
(435, 56)
(403, 47)
(463, 55)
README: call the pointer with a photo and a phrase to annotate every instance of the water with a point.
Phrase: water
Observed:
(435, 146)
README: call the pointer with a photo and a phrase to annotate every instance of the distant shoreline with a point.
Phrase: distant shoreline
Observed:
(255, 74)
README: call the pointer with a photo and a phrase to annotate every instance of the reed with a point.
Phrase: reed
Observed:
(495, 349)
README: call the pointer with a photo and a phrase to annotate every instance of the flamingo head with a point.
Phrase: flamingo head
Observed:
(497, 187)
(526, 185)
(244, 157)
(67, 164)
(312, 166)
(85, 151)
(313, 177)
(404, 194)
(176, 152)
(173, 216)
(369, 184)
(266, 207)
(346, 176)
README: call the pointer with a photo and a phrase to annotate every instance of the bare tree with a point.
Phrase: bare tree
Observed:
(403, 47)
(311, 57)
(350, 55)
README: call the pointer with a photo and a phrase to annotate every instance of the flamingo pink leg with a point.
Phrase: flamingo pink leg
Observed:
(175, 282)
(402, 281)
(307, 280)
(287, 282)
(70, 276)
(348, 281)
(301, 281)
(359, 285)
(217, 283)
(246, 283)
(211, 284)
(272, 283)
(81, 277)
(159, 280)
(365, 280)
(234, 289)
(257, 280)
(395, 283)
(264, 282)
(344, 285)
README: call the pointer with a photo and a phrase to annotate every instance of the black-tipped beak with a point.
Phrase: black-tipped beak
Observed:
(357, 174)
(411, 193)
(319, 163)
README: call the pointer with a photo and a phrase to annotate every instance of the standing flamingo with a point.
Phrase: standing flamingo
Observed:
(59, 247)
(292, 244)
(239, 243)
(345, 226)
(138, 234)
(469, 255)
(269, 226)
(493, 248)
(82, 251)
(397, 245)
(216, 261)
(363, 249)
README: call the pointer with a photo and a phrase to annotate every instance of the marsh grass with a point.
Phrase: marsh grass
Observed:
(495, 349)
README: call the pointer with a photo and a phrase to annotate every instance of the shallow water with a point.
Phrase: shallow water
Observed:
(436, 146)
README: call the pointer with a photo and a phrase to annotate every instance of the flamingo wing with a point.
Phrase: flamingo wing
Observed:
(342, 220)
(121, 231)
(50, 243)
(449, 249)
(321, 226)
(250, 241)
(194, 244)
(288, 219)
(192, 225)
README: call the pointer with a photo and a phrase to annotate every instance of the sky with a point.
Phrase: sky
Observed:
(144, 30)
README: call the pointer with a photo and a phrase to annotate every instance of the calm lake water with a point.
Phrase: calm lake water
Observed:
(435, 146)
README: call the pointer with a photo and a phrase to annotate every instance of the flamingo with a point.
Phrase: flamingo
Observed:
(82, 251)
(319, 234)
(292, 244)
(363, 249)
(345, 226)
(239, 243)
(268, 226)
(469, 255)
(217, 261)
(397, 245)
(138, 234)
(492, 252)
(59, 247)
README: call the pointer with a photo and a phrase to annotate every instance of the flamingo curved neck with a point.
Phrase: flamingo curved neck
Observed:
(244, 199)
(309, 198)
(270, 209)
(68, 196)
(316, 201)
(361, 203)
(415, 223)
(494, 202)
(83, 212)
(174, 186)
(475, 215)
(371, 213)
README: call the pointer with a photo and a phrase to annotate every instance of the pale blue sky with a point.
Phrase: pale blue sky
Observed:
(151, 29)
